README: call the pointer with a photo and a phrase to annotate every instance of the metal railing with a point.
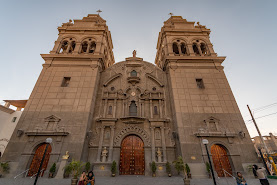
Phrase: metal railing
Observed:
(40, 173)
(26, 172)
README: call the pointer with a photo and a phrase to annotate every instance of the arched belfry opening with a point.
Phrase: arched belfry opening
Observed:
(132, 156)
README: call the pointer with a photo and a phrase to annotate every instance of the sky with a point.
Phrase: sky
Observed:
(242, 30)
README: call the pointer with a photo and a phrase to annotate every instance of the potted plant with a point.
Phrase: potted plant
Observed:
(4, 168)
(208, 168)
(52, 170)
(168, 169)
(87, 167)
(188, 170)
(153, 168)
(113, 169)
(179, 164)
(67, 171)
(75, 168)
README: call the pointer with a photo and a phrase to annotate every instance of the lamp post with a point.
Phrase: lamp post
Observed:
(206, 142)
(48, 141)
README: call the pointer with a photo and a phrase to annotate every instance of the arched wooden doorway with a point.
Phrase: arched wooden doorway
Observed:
(221, 160)
(132, 156)
(37, 159)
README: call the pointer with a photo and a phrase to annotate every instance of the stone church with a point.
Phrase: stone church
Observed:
(132, 112)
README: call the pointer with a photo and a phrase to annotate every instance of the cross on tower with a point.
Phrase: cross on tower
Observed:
(99, 11)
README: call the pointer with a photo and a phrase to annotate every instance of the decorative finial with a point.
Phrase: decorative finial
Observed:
(171, 14)
(198, 23)
(70, 20)
(134, 53)
(99, 11)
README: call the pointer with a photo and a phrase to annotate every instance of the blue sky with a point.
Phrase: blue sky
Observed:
(242, 30)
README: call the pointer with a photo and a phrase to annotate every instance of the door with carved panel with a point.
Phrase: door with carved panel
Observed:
(132, 156)
(37, 160)
(221, 160)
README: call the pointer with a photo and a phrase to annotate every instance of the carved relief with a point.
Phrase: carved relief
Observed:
(132, 129)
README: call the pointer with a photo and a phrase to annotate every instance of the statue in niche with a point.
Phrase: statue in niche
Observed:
(159, 155)
(104, 154)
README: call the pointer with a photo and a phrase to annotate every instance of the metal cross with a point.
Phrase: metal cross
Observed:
(99, 11)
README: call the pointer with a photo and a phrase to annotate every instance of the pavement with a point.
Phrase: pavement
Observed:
(131, 180)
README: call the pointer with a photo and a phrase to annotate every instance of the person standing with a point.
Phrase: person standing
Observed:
(240, 179)
(261, 175)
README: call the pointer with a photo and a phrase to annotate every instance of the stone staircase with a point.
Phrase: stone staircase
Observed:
(131, 180)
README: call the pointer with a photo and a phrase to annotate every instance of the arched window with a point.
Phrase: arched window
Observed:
(156, 110)
(110, 112)
(72, 47)
(133, 109)
(92, 47)
(84, 47)
(175, 48)
(133, 73)
(183, 49)
(195, 49)
(64, 46)
(203, 49)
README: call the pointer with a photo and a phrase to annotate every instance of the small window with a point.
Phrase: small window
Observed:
(183, 49)
(134, 73)
(200, 83)
(14, 119)
(110, 112)
(92, 47)
(203, 49)
(175, 49)
(84, 47)
(154, 88)
(65, 82)
(133, 109)
(156, 110)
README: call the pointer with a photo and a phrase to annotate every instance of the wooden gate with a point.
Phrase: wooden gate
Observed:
(221, 160)
(37, 159)
(132, 156)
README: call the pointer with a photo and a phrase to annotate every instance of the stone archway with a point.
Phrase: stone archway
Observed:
(221, 161)
(132, 156)
(37, 159)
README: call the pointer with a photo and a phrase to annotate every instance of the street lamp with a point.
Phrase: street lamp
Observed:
(206, 142)
(48, 142)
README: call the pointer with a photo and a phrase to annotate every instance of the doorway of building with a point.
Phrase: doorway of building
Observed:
(221, 161)
(37, 159)
(132, 156)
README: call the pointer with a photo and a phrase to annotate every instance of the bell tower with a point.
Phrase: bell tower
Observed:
(61, 105)
(202, 101)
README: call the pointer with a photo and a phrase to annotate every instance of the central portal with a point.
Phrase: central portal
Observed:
(132, 156)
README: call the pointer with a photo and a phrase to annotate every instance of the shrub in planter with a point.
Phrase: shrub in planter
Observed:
(187, 170)
(52, 170)
(208, 168)
(179, 165)
(113, 169)
(67, 171)
(87, 167)
(75, 167)
(4, 168)
(168, 169)
(153, 168)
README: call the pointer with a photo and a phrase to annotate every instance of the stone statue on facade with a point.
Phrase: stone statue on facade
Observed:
(104, 154)
(66, 156)
(134, 53)
(159, 155)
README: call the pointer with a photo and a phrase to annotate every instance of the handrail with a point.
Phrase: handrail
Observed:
(228, 173)
(38, 173)
(22, 173)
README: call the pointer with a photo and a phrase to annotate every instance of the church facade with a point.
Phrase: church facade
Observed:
(132, 112)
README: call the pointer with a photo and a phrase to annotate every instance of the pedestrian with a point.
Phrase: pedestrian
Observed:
(261, 175)
(254, 171)
(240, 179)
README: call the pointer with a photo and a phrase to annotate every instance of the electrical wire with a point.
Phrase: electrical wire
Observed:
(264, 107)
(263, 116)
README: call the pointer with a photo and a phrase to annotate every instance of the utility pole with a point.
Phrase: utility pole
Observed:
(262, 139)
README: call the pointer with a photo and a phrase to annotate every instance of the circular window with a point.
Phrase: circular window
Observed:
(70, 38)
(89, 39)
(197, 40)
(154, 89)
(178, 40)
(112, 88)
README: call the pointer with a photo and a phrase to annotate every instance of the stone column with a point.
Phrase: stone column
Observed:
(100, 143)
(105, 107)
(151, 109)
(191, 52)
(153, 144)
(200, 51)
(111, 144)
(77, 48)
(163, 145)
(114, 109)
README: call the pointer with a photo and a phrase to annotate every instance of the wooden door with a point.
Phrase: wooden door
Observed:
(132, 156)
(37, 159)
(221, 160)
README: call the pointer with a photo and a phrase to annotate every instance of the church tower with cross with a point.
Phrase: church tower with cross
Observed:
(132, 112)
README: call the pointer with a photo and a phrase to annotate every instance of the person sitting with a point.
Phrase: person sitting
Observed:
(90, 179)
(82, 178)
(240, 179)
